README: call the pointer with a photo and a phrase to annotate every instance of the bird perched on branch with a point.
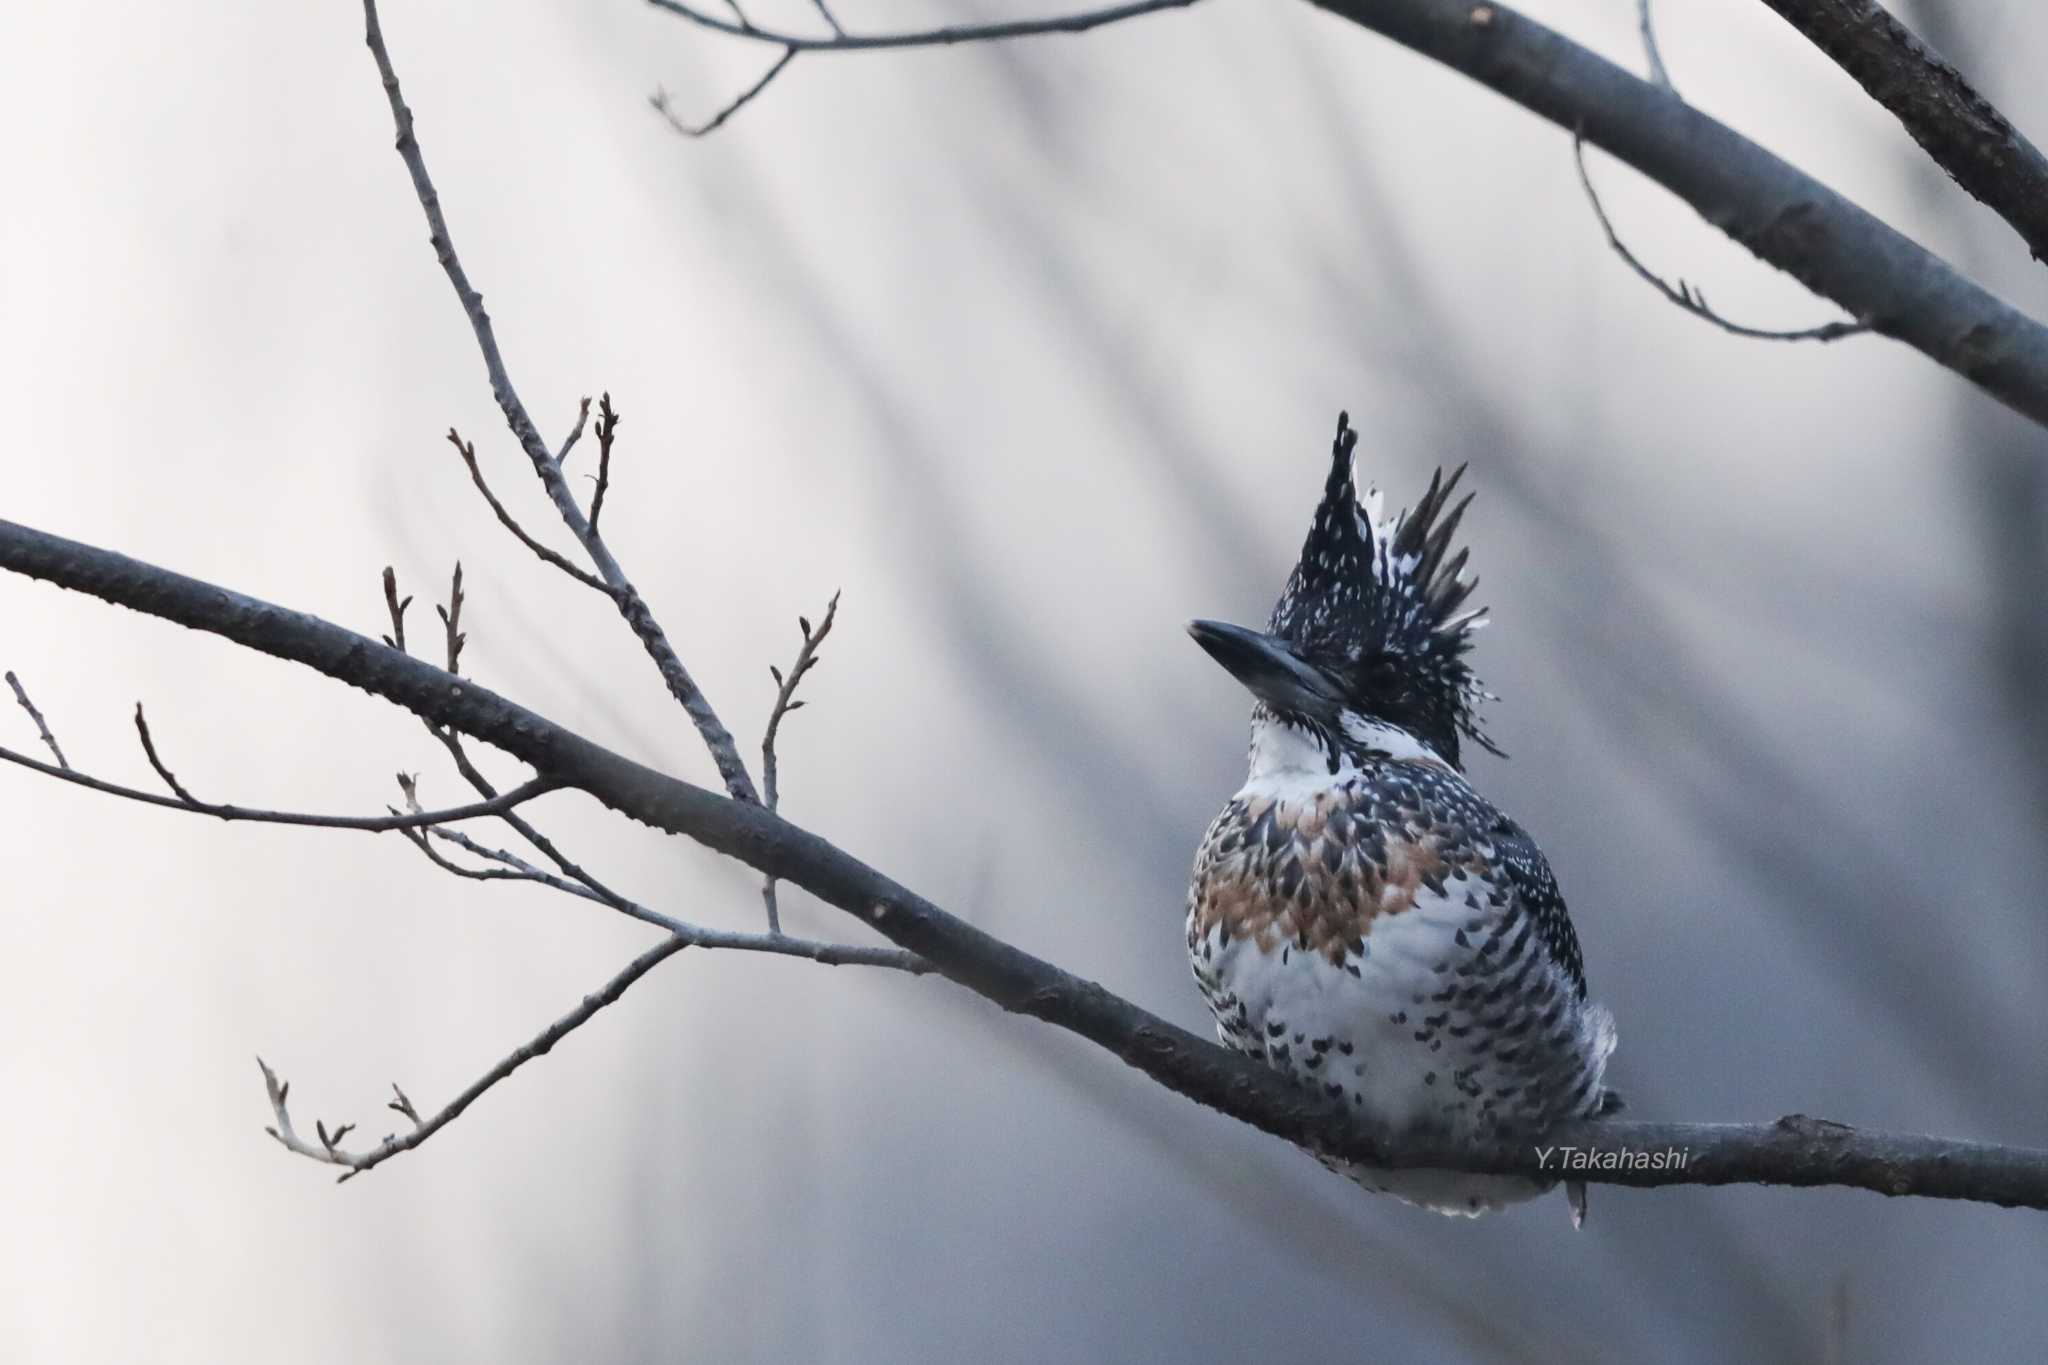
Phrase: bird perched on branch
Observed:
(1360, 918)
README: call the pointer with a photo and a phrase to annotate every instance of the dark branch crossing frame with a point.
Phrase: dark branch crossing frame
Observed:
(1896, 288)
(1886, 283)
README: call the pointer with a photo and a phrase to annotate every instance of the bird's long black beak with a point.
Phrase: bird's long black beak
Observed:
(1270, 668)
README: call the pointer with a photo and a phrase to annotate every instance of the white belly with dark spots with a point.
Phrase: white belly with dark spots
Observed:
(1376, 1031)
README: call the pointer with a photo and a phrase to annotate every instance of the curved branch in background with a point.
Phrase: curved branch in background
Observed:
(1959, 128)
(1840, 251)
(839, 40)
(1688, 297)
(1792, 1151)
(1786, 217)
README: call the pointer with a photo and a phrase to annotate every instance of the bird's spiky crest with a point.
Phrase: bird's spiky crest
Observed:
(1372, 591)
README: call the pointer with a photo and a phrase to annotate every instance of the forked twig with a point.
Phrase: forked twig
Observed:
(467, 450)
(607, 430)
(374, 824)
(724, 752)
(660, 102)
(786, 702)
(330, 1152)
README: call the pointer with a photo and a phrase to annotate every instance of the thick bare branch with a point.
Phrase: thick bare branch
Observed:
(1790, 1152)
(1786, 217)
(42, 728)
(1687, 297)
(724, 753)
(842, 41)
(1962, 131)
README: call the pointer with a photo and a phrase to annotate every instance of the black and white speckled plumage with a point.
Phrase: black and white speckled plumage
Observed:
(1359, 917)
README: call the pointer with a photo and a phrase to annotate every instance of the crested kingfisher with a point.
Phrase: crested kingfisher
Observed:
(1360, 918)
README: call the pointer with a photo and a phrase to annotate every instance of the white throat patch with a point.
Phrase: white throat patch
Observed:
(1390, 740)
(1284, 755)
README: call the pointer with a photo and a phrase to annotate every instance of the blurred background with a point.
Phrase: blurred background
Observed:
(1035, 351)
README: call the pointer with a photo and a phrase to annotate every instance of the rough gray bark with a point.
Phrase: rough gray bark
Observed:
(1955, 125)
(1786, 217)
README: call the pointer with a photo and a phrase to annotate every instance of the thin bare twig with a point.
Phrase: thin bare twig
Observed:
(392, 604)
(330, 1152)
(1658, 75)
(512, 868)
(516, 869)
(1689, 297)
(467, 450)
(524, 828)
(785, 696)
(575, 433)
(50, 740)
(785, 702)
(451, 620)
(660, 102)
(842, 41)
(574, 879)
(374, 824)
(454, 639)
(607, 430)
(732, 770)
(825, 13)
(149, 748)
